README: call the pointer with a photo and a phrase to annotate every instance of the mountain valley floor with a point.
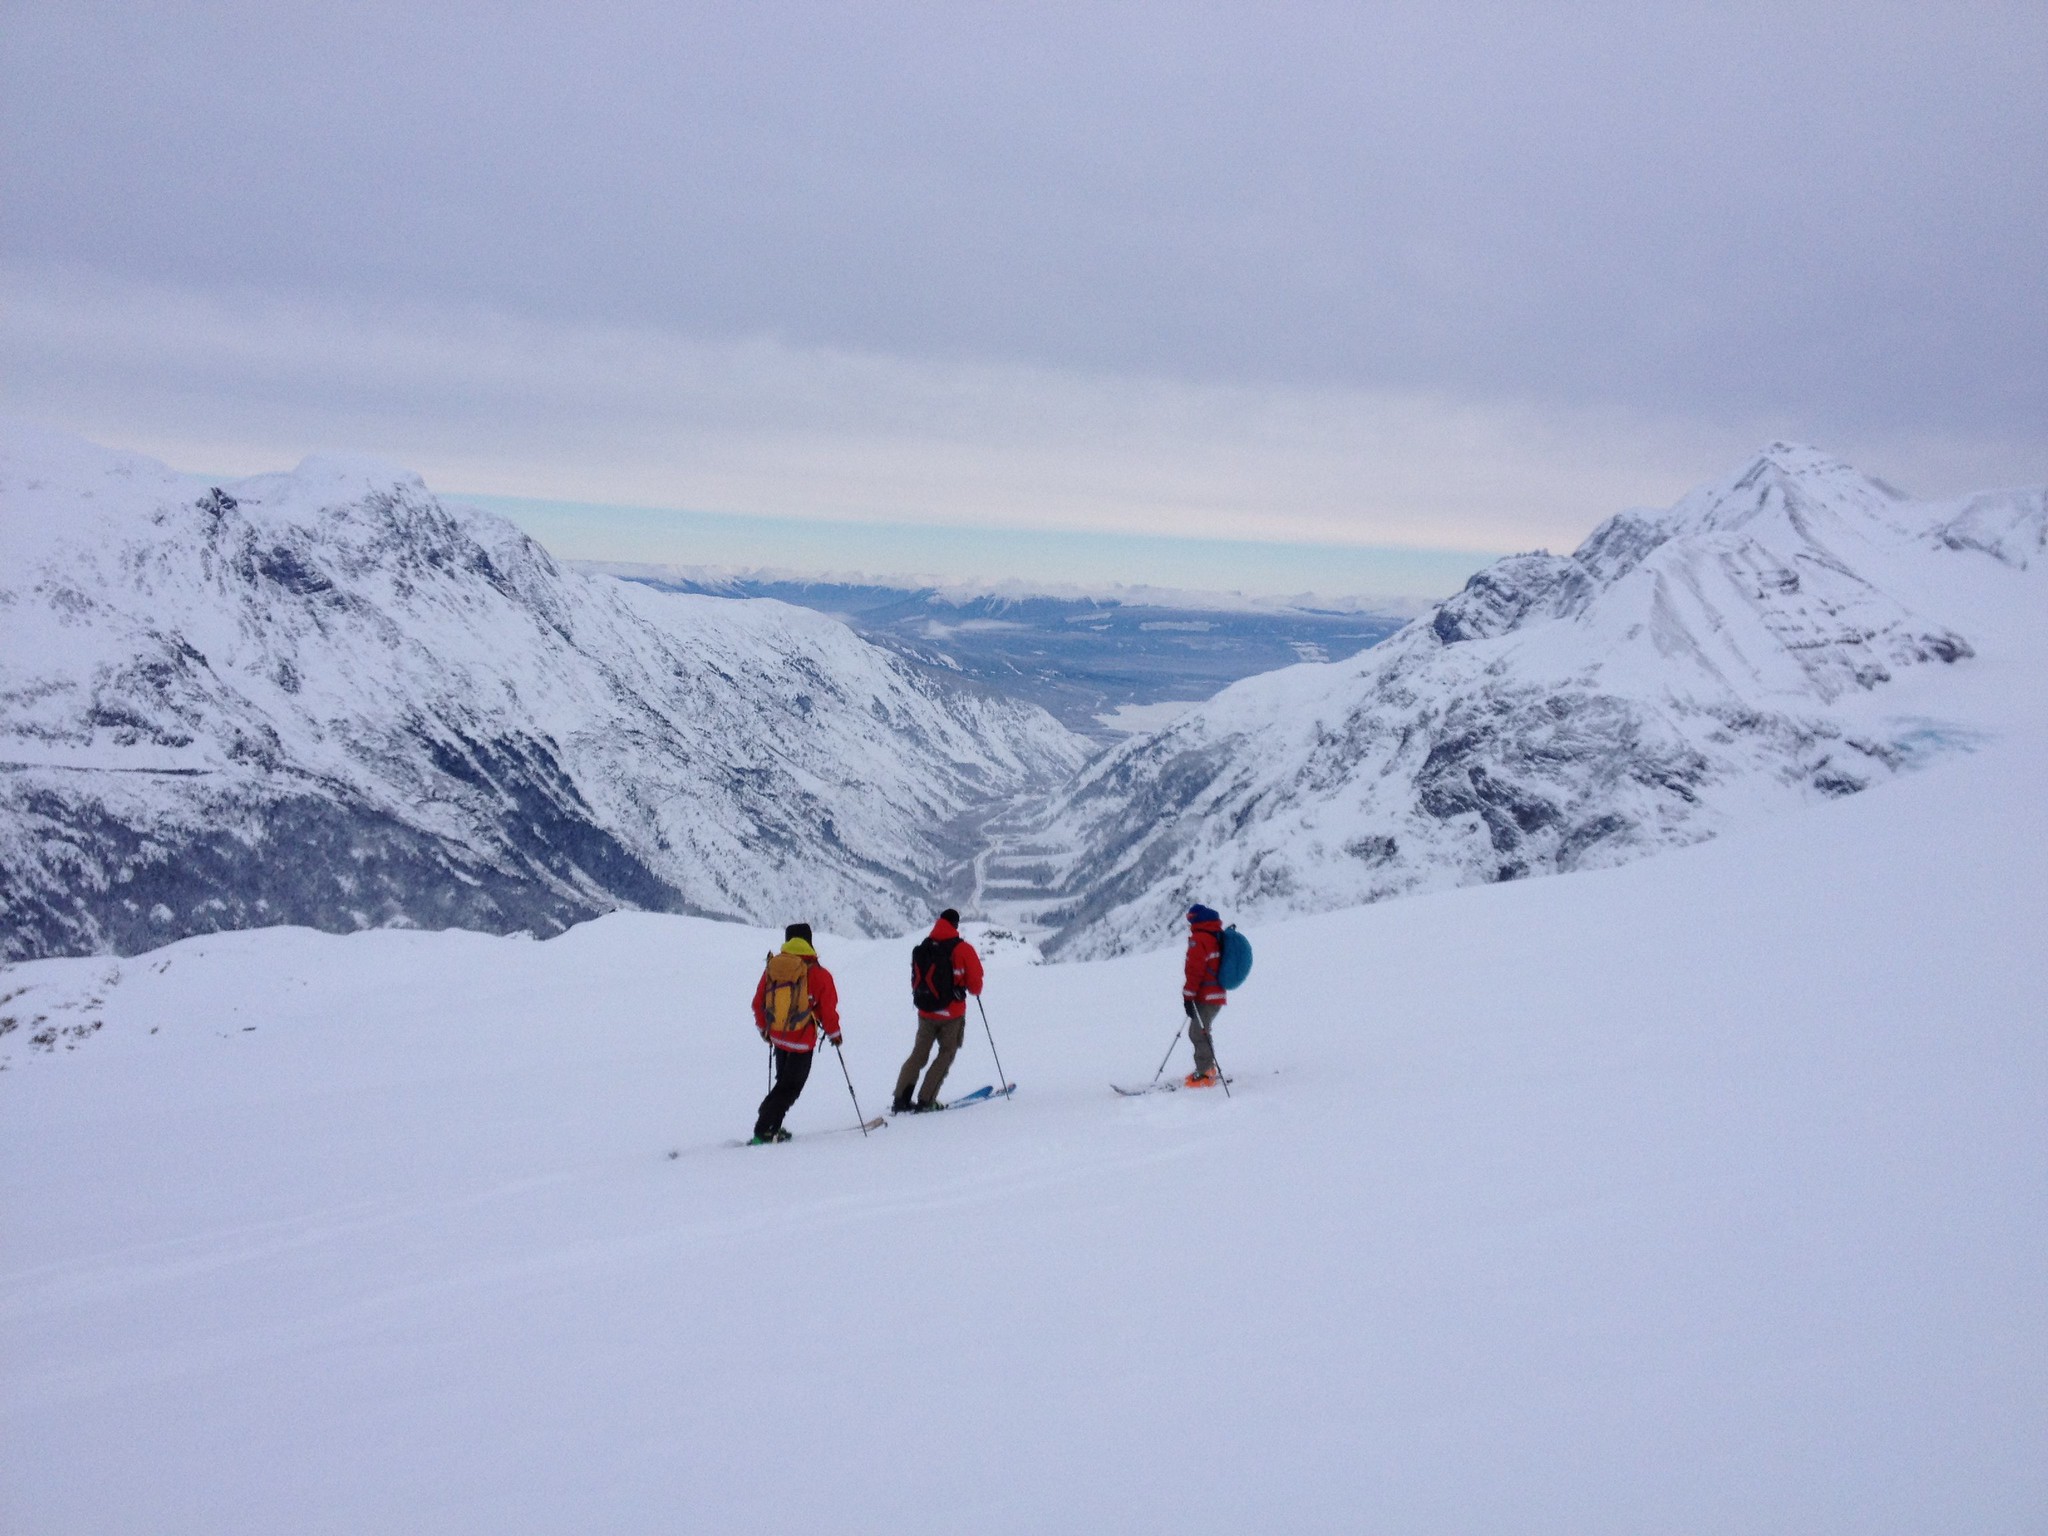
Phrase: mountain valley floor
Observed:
(1706, 1193)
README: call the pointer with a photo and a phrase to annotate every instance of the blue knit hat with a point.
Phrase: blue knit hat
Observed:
(1201, 914)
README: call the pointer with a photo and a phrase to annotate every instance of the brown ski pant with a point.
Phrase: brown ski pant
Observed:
(947, 1035)
(1200, 1023)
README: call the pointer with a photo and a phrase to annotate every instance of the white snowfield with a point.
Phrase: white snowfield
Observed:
(1708, 1193)
(1791, 633)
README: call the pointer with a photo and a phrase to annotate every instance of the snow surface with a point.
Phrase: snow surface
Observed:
(1706, 1193)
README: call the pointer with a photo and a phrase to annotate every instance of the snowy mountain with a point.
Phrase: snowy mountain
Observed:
(325, 698)
(1787, 635)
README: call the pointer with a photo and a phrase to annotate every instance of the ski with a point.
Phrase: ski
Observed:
(982, 1095)
(838, 1130)
(1171, 1085)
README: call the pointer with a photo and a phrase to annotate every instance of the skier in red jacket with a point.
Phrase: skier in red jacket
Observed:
(796, 998)
(1201, 995)
(944, 970)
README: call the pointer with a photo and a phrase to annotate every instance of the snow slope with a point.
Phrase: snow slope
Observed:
(1706, 1193)
(323, 697)
(1793, 633)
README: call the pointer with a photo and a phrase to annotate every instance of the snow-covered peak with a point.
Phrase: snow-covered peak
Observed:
(330, 486)
(1792, 576)
(59, 491)
(1512, 592)
(33, 454)
(1682, 669)
(2009, 526)
(1782, 480)
(1786, 495)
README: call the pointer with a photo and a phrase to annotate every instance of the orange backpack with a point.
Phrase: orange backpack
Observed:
(788, 1000)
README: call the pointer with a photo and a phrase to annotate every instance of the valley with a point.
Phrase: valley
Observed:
(1106, 665)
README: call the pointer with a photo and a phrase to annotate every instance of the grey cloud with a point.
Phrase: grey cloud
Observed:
(1827, 216)
(484, 402)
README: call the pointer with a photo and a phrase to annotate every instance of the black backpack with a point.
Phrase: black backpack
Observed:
(932, 987)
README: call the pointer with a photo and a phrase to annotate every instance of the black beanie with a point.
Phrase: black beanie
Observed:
(798, 931)
(950, 916)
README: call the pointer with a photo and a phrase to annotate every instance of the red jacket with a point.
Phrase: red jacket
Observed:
(966, 970)
(1203, 983)
(824, 1010)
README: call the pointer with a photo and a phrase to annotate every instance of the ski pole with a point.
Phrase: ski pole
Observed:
(863, 1119)
(992, 1044)
(1169, 1054)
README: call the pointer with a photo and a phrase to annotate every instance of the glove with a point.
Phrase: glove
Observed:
(1187, 1006)
(763, 1034)
(835, 1041)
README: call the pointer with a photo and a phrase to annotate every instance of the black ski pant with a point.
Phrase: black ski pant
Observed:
(947, 1034)
(792, 1071)
(1201, 1024)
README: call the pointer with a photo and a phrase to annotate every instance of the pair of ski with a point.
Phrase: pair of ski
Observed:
(985, 1094)
(1171, 1085)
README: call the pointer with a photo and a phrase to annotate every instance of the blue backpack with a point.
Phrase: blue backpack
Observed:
(1235, 963)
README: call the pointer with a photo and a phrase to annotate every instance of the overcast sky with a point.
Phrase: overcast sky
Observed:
(1438, 276)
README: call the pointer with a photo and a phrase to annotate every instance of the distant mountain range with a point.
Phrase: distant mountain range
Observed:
(1791, 633)
(1107, 663)
(325, 698)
